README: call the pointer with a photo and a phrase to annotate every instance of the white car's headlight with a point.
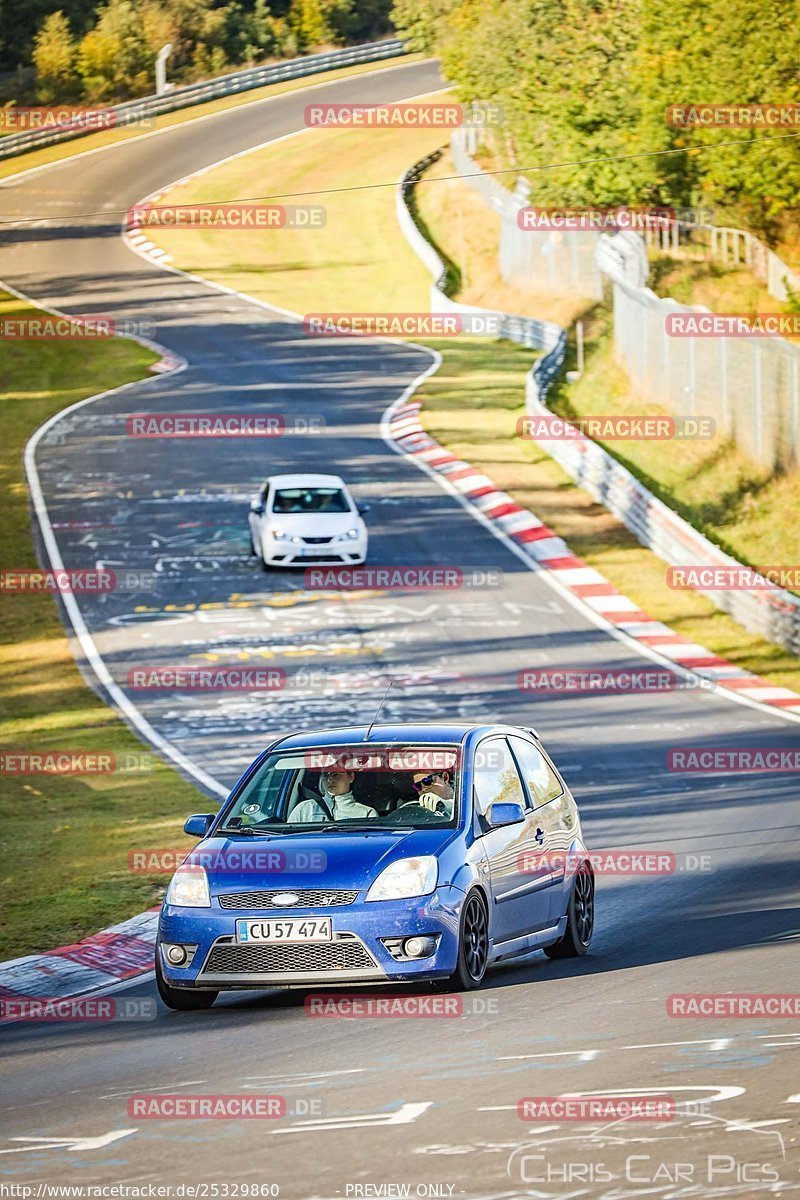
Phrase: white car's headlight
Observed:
(351, 535)
(405, 878)
(280, 536)
(189, 888)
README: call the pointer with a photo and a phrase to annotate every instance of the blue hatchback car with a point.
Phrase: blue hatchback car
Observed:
(398, 853)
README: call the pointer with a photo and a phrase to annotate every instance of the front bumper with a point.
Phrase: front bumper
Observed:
(357, 954)
(331, 554)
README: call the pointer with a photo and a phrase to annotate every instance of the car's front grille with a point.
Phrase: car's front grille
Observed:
(306, 898)
(317, 541)
(317, 558)
(276, 959)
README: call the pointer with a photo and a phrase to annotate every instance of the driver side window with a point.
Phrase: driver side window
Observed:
(496, 778)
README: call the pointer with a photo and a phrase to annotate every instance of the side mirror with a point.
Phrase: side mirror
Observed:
(198, 825)
(505, 814)
(256, 505)
(363, 508)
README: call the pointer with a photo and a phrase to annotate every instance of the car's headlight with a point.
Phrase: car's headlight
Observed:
(280, 536)
(351, 535)
(189, 888)
(405, 878)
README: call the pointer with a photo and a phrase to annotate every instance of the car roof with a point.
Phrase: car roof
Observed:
(307, 480)
(431, 733)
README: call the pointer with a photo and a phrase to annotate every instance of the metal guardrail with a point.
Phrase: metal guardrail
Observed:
(526, 331)
(773, 614)
(133, 111)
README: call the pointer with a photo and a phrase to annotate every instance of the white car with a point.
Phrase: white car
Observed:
(301, 519)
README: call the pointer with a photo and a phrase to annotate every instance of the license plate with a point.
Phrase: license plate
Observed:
(283, 929)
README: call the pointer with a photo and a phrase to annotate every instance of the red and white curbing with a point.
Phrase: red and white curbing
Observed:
(95, 964)
(551, 553)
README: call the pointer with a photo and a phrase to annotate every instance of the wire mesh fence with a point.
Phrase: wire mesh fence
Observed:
(747, 382)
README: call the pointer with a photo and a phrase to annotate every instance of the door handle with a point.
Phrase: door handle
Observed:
(539, 836)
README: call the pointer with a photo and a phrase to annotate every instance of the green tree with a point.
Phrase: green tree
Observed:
(319, 22)
(114, 58)
(54, 60)
(419, 22)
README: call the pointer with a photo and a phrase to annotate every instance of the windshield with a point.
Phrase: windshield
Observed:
(310, 500)
(340, 788)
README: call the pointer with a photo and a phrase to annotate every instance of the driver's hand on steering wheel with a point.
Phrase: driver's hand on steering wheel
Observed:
(433, 802)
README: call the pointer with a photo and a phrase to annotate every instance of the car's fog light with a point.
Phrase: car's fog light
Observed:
(419, 947)
(175, 955)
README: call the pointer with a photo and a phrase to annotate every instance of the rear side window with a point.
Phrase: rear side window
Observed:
(542, 782)
(496, 778)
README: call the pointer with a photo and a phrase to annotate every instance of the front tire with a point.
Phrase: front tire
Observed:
(473, 946)
(181, 999)
(580, 918)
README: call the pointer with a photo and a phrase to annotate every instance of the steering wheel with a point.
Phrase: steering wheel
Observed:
(439, 811)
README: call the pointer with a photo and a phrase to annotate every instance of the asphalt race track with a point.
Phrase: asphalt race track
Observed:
(423, 1103)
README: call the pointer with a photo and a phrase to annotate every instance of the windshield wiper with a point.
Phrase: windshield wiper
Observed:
(250, 830)
(361, 826)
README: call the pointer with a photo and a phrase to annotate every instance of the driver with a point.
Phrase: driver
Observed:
(435, 791)
(338, 802)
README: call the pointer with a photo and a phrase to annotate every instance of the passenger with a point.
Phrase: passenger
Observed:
(435, 791)
(338, 802)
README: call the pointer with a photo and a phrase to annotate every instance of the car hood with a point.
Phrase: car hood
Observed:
(328, 860)
(314, 524)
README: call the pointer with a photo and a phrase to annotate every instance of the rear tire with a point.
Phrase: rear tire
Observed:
(580, 918)
(473, 946)
(181, 999)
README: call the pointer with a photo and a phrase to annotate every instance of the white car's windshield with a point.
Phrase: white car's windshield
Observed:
(340, 788)
(310, 500)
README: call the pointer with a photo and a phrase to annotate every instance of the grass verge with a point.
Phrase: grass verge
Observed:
(65, 838)
(361, 262)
